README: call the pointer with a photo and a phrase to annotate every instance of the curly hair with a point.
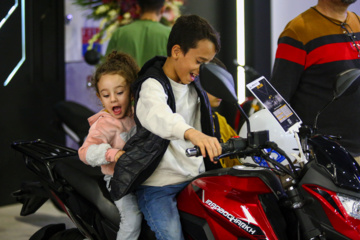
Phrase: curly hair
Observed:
(116, 63)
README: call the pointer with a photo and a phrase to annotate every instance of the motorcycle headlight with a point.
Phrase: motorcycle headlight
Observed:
(351, 205)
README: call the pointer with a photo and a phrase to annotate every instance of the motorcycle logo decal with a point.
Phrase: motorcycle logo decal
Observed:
(247, 226)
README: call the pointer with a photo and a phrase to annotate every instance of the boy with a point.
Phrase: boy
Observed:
(172, 114)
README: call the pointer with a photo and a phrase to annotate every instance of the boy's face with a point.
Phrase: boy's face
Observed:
(187, 66)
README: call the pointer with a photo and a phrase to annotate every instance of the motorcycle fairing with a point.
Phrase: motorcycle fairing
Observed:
(228, 200)
(60, 167)
(195, 227)
(266, 175)
(340, 221)
(325, 208)
(89, 183)
(341, 166)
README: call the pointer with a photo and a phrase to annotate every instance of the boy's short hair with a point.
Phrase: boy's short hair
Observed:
(150, 5)
(188, 30)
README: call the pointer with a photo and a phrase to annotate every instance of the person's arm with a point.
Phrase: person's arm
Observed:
(155, 115)
(206, 143)
(289, 64)
(96, 150)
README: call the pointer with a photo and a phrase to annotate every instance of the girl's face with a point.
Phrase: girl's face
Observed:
(114, 94)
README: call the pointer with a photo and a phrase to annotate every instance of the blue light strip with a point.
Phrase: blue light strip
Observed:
(23, 57)
(12, 9)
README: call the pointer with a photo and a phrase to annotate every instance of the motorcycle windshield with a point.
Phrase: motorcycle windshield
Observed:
(344, 170)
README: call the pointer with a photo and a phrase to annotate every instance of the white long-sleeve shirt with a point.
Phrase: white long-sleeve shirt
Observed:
(156, 116)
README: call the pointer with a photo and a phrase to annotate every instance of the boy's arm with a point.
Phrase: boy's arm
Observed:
(155, 114)
(118, 155)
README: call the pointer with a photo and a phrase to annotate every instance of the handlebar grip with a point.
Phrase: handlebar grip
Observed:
(233, 144)
(193, 152)
(226, 147)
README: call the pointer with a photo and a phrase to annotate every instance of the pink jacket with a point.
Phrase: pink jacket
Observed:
(107, 135)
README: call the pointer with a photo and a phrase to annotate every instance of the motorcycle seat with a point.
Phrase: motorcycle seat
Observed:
(88, 182)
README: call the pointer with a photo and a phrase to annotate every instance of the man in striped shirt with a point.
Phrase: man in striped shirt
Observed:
(313, 48)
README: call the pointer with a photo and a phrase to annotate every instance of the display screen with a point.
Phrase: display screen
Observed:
(274, 102)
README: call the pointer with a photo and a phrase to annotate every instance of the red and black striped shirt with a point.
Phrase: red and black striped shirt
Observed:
(312, 50)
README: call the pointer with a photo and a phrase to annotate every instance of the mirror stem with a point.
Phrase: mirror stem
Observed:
(317, 115)
(246, 118)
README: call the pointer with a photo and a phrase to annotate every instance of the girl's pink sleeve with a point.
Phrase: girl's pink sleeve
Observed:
(94, 138)
(96, 149)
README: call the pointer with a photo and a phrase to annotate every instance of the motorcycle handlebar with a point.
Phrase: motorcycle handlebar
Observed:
(233, 144)
(239, 146)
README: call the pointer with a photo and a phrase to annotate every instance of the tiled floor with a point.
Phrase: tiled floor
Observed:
(15, 227)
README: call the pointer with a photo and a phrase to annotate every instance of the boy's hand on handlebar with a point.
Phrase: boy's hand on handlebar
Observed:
(206, 143)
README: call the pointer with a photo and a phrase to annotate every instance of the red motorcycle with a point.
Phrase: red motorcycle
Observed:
(316, 200)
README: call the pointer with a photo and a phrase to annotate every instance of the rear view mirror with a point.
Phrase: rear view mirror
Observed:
(218, 82)
(346, 82)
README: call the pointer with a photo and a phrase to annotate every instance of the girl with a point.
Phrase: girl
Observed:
(111, 128)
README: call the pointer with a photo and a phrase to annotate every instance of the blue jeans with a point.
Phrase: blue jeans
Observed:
(159, 207)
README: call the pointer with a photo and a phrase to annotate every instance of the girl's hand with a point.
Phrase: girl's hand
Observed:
(206, 143)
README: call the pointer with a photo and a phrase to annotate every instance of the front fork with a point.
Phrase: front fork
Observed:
(308, 228)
